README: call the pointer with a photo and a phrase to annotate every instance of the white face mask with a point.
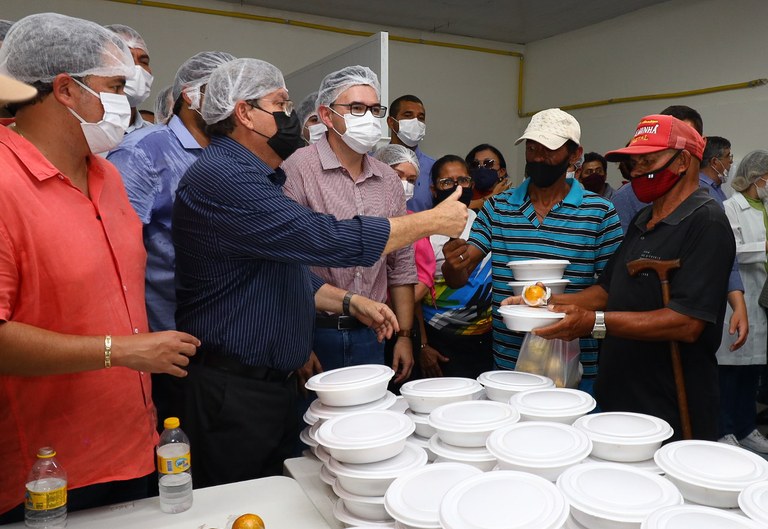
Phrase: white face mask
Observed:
(316, 132)
(137, 88)
(411, 131)
(762, 192)
(408, 189)
(722, 176)
(194, 97)
(570, 174)
(363, 132)
(107, 133)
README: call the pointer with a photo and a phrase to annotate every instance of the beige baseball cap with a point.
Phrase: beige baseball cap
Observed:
(13, 91)
(552, 128)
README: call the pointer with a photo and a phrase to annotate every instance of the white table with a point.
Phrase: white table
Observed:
(306, 471)
(279, 500)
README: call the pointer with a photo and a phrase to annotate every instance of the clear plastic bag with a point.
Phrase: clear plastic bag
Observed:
(556, 359)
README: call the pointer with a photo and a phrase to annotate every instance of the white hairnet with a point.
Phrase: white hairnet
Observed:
(196, 70)
(307, 108)
(129, 35)
(238, 80)
(753, 166)
(164, 105)
(393, 155)
(40, 47)
(337, 82)
(5, 25)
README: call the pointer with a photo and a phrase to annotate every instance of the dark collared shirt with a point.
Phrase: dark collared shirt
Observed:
(242, 251)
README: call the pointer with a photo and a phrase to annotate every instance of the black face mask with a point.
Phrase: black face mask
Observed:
(442, 194)
(288, 136)
(483, 178)
(543, 175)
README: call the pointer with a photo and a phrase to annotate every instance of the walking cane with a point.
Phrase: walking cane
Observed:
(662, 269)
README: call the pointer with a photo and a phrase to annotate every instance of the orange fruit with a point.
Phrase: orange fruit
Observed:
(249, 521)
(534, 293)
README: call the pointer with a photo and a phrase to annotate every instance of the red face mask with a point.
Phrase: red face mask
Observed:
(650, 186)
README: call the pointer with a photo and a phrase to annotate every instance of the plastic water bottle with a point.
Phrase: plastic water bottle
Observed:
(174, 468)
(45, 502)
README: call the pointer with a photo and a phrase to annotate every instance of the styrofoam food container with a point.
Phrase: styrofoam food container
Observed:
(556, 286)
(522, 318)
(322, 454)
(710, 473)
(649, 465)
(323, 412)
(421, 421)
(364, 507)
(754, 502)
(624, 436)
(469, 423)
(615, 496)
(307, 439)
(508, 499)
(500, 385)
(546, 449)
(343, 514)
(350, 386)
(426, 394)
(697, 517)
(326, 475)
(372, 479)
(365, 436)
(414, 498)
(422, 443)
(310, 418)
(553, 404)
(538, 269)
(400, 405)
(478, 457)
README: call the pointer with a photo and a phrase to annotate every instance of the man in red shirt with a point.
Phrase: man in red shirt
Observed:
(75, 354)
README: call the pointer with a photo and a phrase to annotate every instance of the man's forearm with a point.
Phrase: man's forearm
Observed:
(402, 298)
(591, 298)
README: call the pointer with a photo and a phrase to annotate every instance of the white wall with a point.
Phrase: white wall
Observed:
(676, 46)
(470, 96)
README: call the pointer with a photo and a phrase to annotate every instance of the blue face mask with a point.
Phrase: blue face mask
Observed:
(483, 178)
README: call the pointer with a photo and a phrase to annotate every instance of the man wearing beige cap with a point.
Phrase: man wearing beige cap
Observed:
(546, 217)
(685, 223)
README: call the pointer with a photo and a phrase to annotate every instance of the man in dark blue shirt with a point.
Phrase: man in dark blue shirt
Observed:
(243, 287)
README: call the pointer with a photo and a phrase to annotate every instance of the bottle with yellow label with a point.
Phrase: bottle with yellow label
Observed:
(45, 501)
(174, 468)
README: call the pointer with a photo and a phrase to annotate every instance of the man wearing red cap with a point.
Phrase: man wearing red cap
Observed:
(683, 223)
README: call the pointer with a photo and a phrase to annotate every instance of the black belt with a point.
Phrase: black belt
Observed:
(340, 323)
(230, 365)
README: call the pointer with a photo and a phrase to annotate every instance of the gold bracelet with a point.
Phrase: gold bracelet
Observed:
(108, 351)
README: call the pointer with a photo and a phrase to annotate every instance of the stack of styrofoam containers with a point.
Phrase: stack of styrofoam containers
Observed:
(501, 385)
(426, 394)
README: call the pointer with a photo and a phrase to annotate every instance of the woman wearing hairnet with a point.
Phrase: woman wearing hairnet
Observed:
(739, 370)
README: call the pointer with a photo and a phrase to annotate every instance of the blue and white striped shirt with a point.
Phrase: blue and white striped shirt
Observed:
(583, 228)
(242, 250)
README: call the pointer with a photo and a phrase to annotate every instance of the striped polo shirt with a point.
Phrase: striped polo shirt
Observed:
(583, 228)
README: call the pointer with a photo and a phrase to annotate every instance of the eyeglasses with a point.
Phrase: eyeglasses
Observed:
(285, 105)
(359, 109)
(450, 183)
(729, 157)
(590, 172)
(488, 163)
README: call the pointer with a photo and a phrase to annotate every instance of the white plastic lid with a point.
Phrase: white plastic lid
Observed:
(414, 498)
(508, 499)
(326, 476)
(553, 402)
(322, 454)
(305, 438)
(532, 282)
(459, 453)
(321, 411)
(697, 517)
(616, 492)
(411, 457)
(313, 430)
(346, 378)
(539, 444)
(624, 428)
(441, 387)
(364, 429)
(524, 311)
(473, 416)
(710, 464)
(539, 262)
(649, 465)
(346, 495)
(418, 418)
(514, 380)
(341, 513)
(310, 418)
(754, 502)
(400, 404)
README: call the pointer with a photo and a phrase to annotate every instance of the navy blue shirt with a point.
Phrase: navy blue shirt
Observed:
(242, 250)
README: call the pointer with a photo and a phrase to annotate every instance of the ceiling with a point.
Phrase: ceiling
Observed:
(511, 21)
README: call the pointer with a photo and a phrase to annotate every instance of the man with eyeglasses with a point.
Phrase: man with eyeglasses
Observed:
(683, 223)
(715, 166)
(337, 176)
(243, 251)
(593, 175)
(549, 216)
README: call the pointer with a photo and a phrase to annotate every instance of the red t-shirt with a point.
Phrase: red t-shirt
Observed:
(74, 265)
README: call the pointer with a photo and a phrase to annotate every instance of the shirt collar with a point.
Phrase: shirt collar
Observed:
(574, 197)
(694, 201)
(182, 133)
(705, 179)
(329, 161)
(37, 164)
(277, 176)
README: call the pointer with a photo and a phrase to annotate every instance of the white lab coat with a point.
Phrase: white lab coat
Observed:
(749, 232)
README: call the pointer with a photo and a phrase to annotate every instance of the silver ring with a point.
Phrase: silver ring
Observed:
(461, 256)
